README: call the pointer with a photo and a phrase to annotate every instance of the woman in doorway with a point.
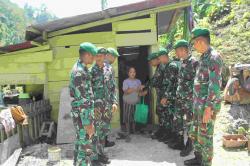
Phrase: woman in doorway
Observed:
(132, 89)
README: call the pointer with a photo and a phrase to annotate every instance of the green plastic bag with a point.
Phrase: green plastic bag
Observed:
(141, 113)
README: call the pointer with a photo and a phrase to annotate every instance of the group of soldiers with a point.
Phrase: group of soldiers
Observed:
(188, 96)
(94, 100)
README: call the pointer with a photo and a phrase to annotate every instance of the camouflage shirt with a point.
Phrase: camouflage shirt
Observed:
(156, 80)
(207, 81)
(186, 78)
(81, 92)
(103, 83)
(169, 83)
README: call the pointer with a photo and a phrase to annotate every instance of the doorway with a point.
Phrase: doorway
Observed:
(134, 56)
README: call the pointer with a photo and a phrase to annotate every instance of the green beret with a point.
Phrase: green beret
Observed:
(88, 47)
(152, 56)
(163, 51)
(101, 50)
(181, 43)
(113, 52)
(197, 32)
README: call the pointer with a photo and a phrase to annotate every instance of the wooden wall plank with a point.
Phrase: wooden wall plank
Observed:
(22, 78)
(55, 87)
(135, 25)
(136, 39)
(59, 75)
(22, 68)
(77, 39)
(54, 97)
(36, 57)
(73, 50)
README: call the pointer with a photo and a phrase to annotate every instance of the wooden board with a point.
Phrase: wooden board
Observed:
(56, 87)
(136, 39)
(22, 79)
(77, 39)
(134, 25)
(59, 75)
(36, 57)
(22, 68)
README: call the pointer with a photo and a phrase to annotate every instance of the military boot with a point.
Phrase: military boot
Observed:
(188, 148)
(196, 161)
(178, 144)
(103, 159)
(108, 143)
(158, 133)
(166, 136)
(172, 139)
(97, 163)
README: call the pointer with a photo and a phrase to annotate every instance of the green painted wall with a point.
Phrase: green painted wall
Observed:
(51, 64)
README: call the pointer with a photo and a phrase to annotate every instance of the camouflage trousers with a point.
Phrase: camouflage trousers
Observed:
(202, 136)
(182, 116)
(103, 127)
(84, 146)
(165, 117)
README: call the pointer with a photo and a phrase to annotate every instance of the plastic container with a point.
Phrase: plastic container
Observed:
(54, 154)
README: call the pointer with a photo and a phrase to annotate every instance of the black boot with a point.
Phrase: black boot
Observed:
(172, 139)
(188, 148)
(97, 163)
(166, 136)
(178, 144)
(157, 134)
(103, 159)
(107, 143)
(196, 161)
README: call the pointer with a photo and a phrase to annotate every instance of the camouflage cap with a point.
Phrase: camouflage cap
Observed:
(88, 47)
(113, 52)
(152, 56)
(197, 32)
(181, 43)
(101, 50)
(163, 51)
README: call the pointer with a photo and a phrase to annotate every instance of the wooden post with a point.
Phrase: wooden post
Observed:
(20, 133)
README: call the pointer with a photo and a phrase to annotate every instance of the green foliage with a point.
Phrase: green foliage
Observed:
(14, 20)
(12, 23)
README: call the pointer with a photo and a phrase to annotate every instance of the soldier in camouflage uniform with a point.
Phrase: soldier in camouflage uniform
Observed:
(105, 99)
(206, 97)
(111, 56)
(155, 82)
(168, 95)
(83, 107)
(184, 96)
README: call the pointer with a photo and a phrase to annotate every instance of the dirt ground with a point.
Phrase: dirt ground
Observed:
(143, 151)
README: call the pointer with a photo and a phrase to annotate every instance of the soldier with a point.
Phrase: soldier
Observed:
(83, 107)
(206, 97)
(111, 56)
(168, 89)
(155, 82)
(105, 99)
(184, 94)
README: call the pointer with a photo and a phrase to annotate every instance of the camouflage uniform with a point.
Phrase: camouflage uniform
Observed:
(169, 85)
(82, 113)
(156, 82)
(184, 94)
(103, 83)
(207, 84)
